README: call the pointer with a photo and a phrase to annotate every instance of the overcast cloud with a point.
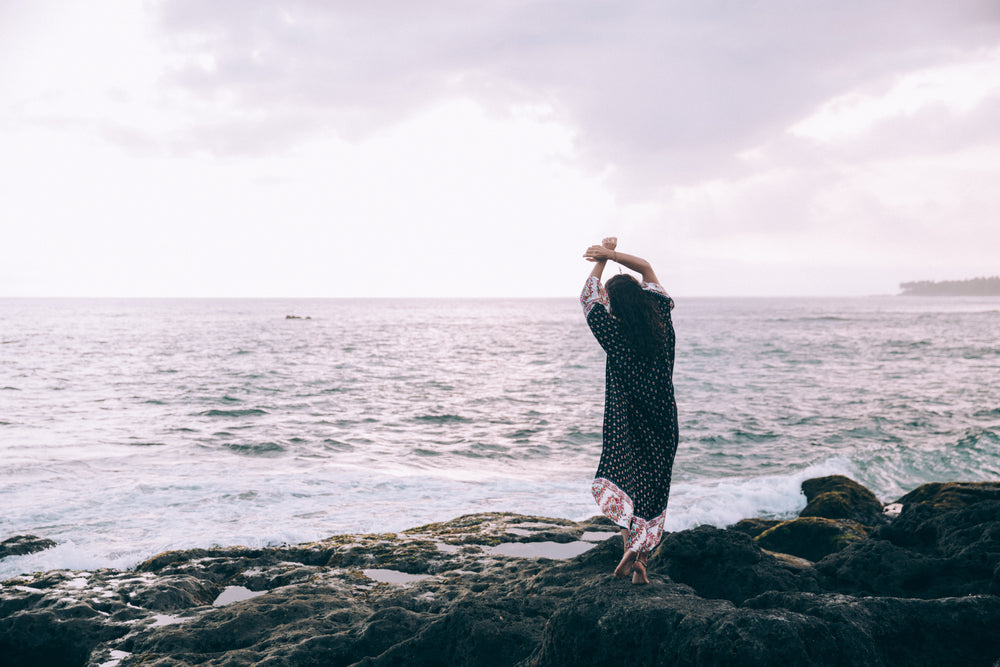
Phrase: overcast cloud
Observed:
(309, 148)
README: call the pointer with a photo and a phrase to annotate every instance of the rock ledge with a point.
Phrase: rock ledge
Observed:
(507, 589)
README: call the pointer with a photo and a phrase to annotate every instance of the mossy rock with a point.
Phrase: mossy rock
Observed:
(415, 557)
(174, 559)
(812, 538)
(467, 523)
(951, 495)
(599, 522)
(839, 497)
(491, 529)
(754, 527)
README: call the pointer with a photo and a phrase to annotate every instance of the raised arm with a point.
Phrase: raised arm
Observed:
(601, 254)
(609, 243)
(598, 269)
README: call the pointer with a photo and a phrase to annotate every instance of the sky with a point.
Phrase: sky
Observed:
(391, 148)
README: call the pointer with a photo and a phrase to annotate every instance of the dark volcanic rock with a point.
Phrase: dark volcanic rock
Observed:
(19, 545)
(925, 552)
(665, 624)
(878, 567)
(242, 625)
(811, 537)
(58, 635)
(483, 632)
(172, 593)
(839, 497)
(729, 565)
(951, 495)
(949, 631)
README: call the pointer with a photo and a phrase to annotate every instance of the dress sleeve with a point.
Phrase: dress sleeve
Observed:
(592, 295)
(657, 288)
(598, 313)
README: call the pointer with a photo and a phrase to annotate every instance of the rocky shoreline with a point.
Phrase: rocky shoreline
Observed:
(850, 581)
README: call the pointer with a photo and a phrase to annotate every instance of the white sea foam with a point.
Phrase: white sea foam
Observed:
(724, 502)
(64, 556)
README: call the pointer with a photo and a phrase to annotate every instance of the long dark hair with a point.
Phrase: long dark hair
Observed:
(637, 312)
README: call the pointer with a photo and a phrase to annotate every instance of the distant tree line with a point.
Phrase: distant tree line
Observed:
(972, 287)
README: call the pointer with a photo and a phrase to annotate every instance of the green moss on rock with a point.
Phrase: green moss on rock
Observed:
(492, 528)
(754, 527)
(811, 538)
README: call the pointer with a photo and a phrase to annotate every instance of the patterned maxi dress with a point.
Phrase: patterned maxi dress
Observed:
(640, 422)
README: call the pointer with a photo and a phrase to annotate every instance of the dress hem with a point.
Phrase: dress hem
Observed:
(643, 534)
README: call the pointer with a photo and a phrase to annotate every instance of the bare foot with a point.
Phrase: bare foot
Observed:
(639, 577)
(625, 565)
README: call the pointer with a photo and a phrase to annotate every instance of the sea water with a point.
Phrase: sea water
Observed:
(130, 427)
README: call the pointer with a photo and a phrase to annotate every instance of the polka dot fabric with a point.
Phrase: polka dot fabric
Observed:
(632, 484)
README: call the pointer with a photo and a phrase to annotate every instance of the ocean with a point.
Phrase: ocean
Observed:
(131, 427)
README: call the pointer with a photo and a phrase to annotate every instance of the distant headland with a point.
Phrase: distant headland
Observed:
(972, 287)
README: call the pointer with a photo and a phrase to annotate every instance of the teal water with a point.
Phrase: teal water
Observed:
(128, 427)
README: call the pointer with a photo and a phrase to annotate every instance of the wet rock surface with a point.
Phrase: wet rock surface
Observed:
(918, 589)
(951, 495)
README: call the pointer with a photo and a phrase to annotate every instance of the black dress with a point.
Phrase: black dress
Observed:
(632, 484)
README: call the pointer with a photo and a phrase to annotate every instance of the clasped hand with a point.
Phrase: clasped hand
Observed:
(603, 252)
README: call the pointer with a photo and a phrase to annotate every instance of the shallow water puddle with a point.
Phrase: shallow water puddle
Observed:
(444, 547)
(597, 535)
(116, 657)
(393, 576)
(167, 619)
(554, 550)
(233, 594)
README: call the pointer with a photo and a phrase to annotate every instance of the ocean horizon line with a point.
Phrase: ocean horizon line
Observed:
(678, 295)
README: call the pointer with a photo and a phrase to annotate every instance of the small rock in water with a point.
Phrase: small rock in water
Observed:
(839, 497)
(20, 545)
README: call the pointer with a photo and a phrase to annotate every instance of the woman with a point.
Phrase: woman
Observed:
(632, 323)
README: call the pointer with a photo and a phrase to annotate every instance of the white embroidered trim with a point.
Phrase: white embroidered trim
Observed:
(658, 288)
(643, 536)
(593, 294)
